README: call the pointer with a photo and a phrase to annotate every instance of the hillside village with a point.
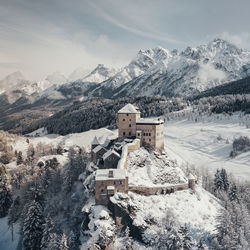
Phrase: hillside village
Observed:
(111, 157)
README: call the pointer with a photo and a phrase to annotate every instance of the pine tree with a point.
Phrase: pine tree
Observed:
(233, 193)
(187, 242)
(218, 182)
(224, 178)
(48, 230)
(19, 159)
(174, 241)
(33, 227)
(5, 195)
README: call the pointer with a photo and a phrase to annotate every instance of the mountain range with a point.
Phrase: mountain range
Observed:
(156, 71)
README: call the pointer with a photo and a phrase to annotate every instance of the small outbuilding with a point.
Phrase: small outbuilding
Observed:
(97, 153)
(111, 159)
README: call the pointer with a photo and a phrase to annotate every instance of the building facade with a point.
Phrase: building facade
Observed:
(108, 182)
(149, 131)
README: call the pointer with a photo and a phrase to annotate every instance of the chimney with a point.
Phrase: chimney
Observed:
(111, 174)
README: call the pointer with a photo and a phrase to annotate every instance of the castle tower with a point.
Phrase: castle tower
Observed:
(127, 118)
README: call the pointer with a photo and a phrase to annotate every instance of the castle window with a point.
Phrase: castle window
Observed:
(130, 120)
(127, 114)
(123, 119)
(120, 182)
(129, 125)
(129, 133)
(149, 134)
(102, 190)
(144, 134)
(124, 133)
(138, 134)
(149, 139)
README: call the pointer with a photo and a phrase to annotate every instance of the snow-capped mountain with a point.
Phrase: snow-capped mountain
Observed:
(143, 61)
(99, 74)
(193, 70)
(13, 80)
(154, 71)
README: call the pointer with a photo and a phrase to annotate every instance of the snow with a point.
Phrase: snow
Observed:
(6, 242)
(97, 149)
(197, 143)
(39, 132)
(100, 222)
(129, 108)
(152, 170)
(110, 152)
(83, 139)
(103, 174)
(149, 120)
(198, 210)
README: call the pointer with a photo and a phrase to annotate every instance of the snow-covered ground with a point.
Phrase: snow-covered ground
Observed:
(207, 145)
(152, 169)
(83, 139)
(198, 210)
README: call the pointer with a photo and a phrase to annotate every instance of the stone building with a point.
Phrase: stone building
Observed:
(97, 153)
(111, 159)
(108, 182)
(149, 131)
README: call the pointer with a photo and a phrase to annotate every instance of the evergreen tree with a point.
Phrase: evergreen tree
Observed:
(187, 242)
(224, 179)
(233, 193)
(48, 230)
(33, 227)
(174, 241)
(5, 195)
(19, 159)
(218, 182)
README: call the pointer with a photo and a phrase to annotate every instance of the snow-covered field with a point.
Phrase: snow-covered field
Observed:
(83, 139)
(207, 145)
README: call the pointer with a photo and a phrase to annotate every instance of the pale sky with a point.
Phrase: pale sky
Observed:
(39, 37)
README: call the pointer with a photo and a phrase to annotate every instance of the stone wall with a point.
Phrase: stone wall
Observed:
(158, 190)
(130, 147)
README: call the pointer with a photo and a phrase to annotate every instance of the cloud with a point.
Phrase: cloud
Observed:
(144, 33)
(207, 73)
(241, 40)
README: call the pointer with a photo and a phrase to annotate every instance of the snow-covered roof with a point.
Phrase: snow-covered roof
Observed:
(95, 141)
(110, 152)
(129, 109)
(98, 148)
(191, 177)
(103, 174)
(150, 121)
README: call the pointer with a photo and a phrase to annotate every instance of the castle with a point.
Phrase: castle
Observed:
(149, 131)
(111, 157)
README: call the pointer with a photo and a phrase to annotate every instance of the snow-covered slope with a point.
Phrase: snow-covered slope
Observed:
(207, 143)
(143, 61)
(99, 74)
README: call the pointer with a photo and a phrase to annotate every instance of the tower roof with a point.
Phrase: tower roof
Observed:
(129, 109)
(95, 141)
